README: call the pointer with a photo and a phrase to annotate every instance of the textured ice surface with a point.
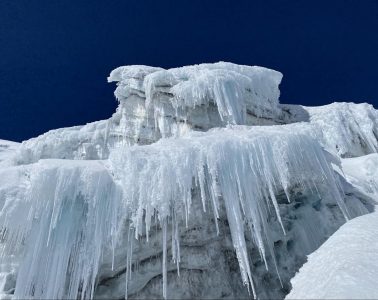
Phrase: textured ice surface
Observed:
(348, 129)
(7, 150)
(180, 194)
(56, 216)
(362, 172)
(169, 102)
(344, 267)
(70, 214)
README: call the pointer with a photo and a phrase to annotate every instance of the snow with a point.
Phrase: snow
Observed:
(195, 186)
(348, 129)
(7, 149)
(79, 142)
(362, 172)
(344, 267)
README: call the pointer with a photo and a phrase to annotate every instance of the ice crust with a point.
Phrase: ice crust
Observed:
(183, 175)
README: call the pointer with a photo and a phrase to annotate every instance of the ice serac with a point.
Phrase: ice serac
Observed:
(155, 103)
(193, 188)
(170, 102)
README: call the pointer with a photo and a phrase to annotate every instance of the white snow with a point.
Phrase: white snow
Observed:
(348, 129)
(7, 149)
(362, 173)
(344, 267)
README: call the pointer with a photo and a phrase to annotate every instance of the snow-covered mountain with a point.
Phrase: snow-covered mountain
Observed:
(201, 184)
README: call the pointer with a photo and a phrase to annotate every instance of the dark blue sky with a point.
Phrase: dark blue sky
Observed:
(55, 55)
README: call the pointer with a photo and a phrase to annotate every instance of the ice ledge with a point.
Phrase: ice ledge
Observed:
(234, 89)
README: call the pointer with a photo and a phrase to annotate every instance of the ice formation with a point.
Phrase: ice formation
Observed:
(183, 95)
(182, 179)
(348, 129)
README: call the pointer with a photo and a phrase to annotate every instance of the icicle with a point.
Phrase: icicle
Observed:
(129, 257)
(164, 262)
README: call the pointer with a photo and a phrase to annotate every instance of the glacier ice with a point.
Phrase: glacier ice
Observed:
(195, 186)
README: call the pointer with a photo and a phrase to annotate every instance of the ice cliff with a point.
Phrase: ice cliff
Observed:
(199, 184)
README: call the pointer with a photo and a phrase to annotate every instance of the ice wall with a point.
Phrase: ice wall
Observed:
(179, 184)
(71, 213)
(156, 103)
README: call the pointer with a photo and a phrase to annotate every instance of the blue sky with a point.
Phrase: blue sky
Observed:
(55, 55)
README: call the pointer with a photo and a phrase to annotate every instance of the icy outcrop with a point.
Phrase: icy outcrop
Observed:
(169, 102)
(237, 172)
(155, 103)
(180, 194)
(344, 267)
(347, 129)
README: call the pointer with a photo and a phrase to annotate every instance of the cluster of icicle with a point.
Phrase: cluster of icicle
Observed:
(71, 211)
(240, 168)
(55, 221)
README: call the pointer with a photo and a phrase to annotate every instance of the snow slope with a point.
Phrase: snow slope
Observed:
(200, 183)
(344, 267)
(7, 149)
